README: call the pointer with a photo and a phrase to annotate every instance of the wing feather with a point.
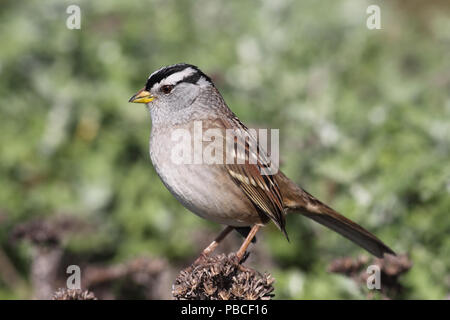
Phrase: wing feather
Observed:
(262, 190)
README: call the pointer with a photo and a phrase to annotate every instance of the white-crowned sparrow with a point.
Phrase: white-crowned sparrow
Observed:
(238, 195)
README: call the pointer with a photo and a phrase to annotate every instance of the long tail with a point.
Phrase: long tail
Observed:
(297, 199)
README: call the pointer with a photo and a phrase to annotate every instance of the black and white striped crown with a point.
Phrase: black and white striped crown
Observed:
(175, 74)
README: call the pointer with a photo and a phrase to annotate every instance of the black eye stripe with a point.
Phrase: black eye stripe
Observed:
(167, 71)
(193, 78)
(164, 73)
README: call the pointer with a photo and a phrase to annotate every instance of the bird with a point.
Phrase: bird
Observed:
(239, 193)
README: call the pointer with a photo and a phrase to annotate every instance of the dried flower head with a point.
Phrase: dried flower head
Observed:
(47, 232)
(73, 294)
(222, 278)
(391, 268)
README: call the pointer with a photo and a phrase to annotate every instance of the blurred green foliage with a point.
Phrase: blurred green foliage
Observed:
(364, 118)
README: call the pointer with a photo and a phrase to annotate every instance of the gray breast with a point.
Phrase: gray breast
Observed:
(206, 190)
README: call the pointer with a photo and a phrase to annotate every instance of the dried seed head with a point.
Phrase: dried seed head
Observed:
(222, 278)
(73, 294)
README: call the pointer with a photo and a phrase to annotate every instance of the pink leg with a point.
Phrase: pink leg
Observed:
(213, 245)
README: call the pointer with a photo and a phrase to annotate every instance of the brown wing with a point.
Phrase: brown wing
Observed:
(262, 190)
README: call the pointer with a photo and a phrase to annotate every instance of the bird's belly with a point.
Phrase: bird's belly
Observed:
(199, 189)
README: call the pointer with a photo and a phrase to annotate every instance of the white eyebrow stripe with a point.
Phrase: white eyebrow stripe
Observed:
(178, 76)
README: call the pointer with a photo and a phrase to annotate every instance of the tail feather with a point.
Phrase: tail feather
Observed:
(351, 231)
(297, 199)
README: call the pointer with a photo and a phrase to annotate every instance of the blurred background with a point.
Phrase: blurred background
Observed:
(364, 119)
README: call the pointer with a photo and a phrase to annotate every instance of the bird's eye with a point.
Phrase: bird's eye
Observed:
(166, 89)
